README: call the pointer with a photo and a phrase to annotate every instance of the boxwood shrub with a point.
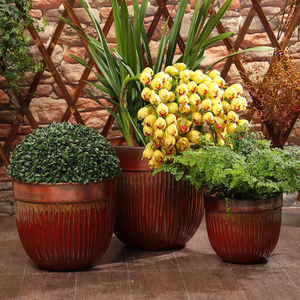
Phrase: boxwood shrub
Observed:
(63, 152)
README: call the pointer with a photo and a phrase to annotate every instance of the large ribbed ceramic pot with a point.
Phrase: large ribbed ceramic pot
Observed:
(251, 232)
(154, 212)
(65, 227)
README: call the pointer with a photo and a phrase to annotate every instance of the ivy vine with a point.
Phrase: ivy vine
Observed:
(15, 63)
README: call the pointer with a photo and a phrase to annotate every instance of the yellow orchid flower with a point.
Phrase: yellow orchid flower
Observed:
(232, 117)
(149, 120)
(160, 123)
(208, 118)
(170, 119)
(173, 107)
(212, 74)
(145, 78)
(195, 99)
(231, 127)
(171, 70)
(182, 144)
(172, 130)
(179, 66)
(147, 154)
(142, 113)
(164, 95)
(156, 84)
(202, 89)
(219, 81)
(217, 109)
(197, 118)
(162, 109)
(194, 136)
(206, 105)
(149, 71)
(182, 89)
(169, 140)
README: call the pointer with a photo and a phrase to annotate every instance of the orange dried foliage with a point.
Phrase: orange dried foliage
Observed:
(278, 91)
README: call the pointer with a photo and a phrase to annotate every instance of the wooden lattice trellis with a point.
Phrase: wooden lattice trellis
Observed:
(161, 11)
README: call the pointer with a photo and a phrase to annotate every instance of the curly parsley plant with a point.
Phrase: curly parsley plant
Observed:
(245, 168)
(62, 152)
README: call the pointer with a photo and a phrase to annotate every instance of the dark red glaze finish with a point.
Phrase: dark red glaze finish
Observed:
(252, 232)
(65, 227)
(154, 212)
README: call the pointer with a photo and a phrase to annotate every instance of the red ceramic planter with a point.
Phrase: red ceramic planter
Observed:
(65, 227)
(251, 233)
(154, 212)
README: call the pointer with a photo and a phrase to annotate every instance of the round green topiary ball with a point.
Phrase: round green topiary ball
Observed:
(63, 152)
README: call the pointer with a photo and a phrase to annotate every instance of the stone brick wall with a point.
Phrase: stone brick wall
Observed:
(48, 103)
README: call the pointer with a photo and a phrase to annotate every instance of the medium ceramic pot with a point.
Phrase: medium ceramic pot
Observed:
(154, 212)
(65, 227)
(251, 231)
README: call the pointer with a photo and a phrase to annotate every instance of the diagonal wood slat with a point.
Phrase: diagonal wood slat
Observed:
(3, 156)
(155, 21)
(239, 40)
(266, 23)
(55, 74)
(26, 111)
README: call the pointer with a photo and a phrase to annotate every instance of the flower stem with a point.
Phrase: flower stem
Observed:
(130, 136)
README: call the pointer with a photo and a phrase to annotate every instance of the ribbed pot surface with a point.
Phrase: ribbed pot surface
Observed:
(65, 233)
(251, 233)
(154, 212)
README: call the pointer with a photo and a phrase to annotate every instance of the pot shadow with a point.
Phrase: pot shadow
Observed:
(260, 263)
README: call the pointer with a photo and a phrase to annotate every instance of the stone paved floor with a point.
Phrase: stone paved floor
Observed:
(193, 272)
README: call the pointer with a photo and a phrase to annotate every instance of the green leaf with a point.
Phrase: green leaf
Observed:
(193, 31)
(259, 48)
(160, 54)
(113, 81)
(216, 39)
(147, 48)
(105, 90)
(121, 124)
(137, 34)
(111, 68)
(174, 34)
(79, 60)
(208, 28)
(121, 60)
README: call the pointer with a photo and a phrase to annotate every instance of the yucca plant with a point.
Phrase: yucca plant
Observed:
(121, 67)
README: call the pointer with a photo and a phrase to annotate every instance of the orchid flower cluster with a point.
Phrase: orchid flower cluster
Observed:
(183, 106)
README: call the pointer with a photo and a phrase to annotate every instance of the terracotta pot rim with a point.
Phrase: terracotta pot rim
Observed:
(133, 148)
(61, 183)
(214, 197)
(65, 193)
(131, 158)
(219, 204)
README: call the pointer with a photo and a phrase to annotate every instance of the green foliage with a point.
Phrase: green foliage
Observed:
(62, 152)
(15, 64)
(254, 172)
(244, 141)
